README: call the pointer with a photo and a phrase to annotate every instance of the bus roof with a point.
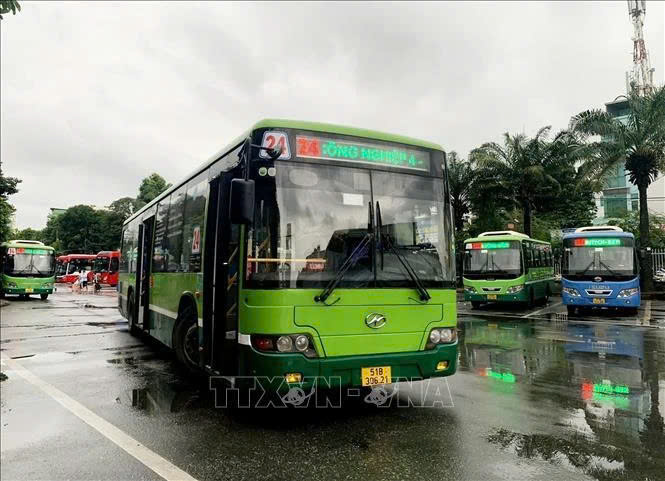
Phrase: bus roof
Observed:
(577, 235)
(506, 237)
(290, 124)
(26, 244)
(76, 256)
(108, 254)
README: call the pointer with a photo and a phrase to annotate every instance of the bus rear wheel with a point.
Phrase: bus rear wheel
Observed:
(186, 340)
(43, 296)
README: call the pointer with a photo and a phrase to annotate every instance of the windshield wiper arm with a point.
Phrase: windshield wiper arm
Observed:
(422, 291)
(614, 273)
(351, 260)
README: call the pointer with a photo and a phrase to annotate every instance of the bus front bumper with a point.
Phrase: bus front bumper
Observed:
(585, 301)
(23, 290)
(344, 370)
(476, 297)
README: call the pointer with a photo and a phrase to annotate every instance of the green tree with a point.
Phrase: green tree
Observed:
(520, 171)
(8, 186)
(7, 6)
(638, 144)
(81, 230)
(28, 234)
(150, 187)
(460, 179)
(123, 206)
(630, 222)
(111, 230)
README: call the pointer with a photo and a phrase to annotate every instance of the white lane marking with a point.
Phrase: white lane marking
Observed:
(130, 445)
(543, 309)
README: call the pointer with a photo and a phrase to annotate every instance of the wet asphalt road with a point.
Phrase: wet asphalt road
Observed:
(537, 395)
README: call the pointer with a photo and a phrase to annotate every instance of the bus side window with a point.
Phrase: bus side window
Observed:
(174, 230)
(115, 264)
(160, 252)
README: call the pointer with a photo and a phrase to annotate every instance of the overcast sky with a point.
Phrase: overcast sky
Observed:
(95, 96)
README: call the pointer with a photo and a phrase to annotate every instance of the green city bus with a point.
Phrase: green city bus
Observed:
(300, 251)
(507, 266)
(27, 267)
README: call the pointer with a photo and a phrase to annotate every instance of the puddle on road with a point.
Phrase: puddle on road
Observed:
(604, 383)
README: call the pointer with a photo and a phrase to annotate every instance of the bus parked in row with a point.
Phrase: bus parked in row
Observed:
(68, 266)
(600, 269)
(27, 267)
(105, 266)
(507, 266)
(301, 250)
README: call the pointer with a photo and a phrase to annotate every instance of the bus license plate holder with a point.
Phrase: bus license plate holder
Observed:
(491, 297)
(375, 376)
(598, 300)
(28, 290)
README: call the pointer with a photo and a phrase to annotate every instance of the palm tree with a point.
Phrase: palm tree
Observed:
(519, 171)
(638, 144)
(460, 179)
(7, 6)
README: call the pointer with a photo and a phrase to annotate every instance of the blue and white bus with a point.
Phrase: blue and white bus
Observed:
(600, 269)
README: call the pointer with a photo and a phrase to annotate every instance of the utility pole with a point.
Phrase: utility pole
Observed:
(640, 79)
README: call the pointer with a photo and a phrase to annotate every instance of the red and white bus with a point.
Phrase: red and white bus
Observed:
(106, 265)
(68, 264)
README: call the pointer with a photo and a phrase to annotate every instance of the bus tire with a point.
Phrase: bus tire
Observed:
(571, 310)
(2, 294)
(475, 304)
(631, 311)
(186, 340)
(531, 302)
(43, 296)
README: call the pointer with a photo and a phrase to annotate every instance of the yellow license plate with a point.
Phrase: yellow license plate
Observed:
(374, 376)
(491, 297)
(28, 289)
(597, 300)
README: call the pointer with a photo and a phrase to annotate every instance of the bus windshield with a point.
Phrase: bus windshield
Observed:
(493, 259)
(101, 264)
(608, 261)
(310, 218)
(25, 262)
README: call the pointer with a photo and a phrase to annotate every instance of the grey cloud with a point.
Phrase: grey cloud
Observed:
(97, 95)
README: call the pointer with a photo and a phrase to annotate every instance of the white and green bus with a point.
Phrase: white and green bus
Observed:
(27, 267)
(507, 267)
(301, 250)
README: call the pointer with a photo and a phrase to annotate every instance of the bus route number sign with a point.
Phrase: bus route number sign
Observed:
(272, 139)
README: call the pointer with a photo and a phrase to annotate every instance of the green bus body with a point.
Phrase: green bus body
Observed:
(24, 274)
(533, 272)
(182, 275)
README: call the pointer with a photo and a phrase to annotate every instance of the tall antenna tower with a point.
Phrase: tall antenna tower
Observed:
(640, 79)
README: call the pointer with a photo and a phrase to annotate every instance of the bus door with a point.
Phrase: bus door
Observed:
(220, 279)
(143, 273)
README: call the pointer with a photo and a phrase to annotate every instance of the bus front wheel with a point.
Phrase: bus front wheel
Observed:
(43, 296)
(133, 329)
(186, 340)
(571, 310)
(475, 304)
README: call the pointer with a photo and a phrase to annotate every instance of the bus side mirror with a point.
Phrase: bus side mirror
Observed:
(241, 206)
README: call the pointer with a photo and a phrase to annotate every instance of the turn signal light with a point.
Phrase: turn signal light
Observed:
(293, 377)
(442, 365)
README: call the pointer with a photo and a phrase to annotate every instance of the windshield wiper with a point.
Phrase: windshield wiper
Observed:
(351, 260)
(422, 291)
(613, 272)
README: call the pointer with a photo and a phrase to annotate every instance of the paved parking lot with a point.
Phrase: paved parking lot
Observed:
(538, 395)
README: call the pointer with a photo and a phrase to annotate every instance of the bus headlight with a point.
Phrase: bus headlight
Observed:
(11, 284)
(628, 292)
(441, 335)
(284, 344)
(287, 344)
(514, 289)
(570, 291)
(470, 289)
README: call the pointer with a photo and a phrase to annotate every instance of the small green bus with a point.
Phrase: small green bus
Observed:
(302, 250)
(507, 266)
(27, 267)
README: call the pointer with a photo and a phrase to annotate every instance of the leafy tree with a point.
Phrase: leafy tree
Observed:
(630, 222)
(7, 6)
(638, 144)
(28, 234)
(81, 230)
(150, 187)
(124, 206)
(460, 178)
(8, 186)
